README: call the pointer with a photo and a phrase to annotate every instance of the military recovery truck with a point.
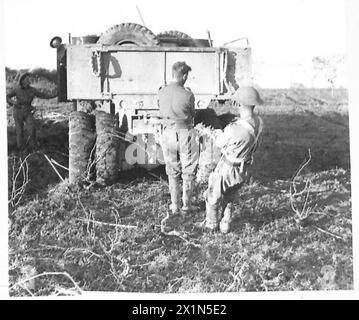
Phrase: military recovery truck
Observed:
(118, 74)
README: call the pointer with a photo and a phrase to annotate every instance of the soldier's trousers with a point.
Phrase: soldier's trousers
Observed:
(180, 152)
(24, 120)
(223, 185)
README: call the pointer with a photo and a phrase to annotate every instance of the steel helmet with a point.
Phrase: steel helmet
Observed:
(247, 96)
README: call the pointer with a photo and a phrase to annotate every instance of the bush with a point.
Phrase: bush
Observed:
(37, 74)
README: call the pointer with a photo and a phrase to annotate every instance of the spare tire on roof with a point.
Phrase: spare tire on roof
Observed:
(128, 34)
(173, 34)
(179, 38)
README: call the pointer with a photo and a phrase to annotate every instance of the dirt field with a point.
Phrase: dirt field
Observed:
(109, 239)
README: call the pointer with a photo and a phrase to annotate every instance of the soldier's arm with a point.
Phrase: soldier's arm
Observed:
(43, 95)
(191, 105)
(221, 137)
(9, 97)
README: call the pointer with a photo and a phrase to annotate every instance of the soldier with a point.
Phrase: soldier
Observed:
(238, 141)
(23, 110)
(178, 141)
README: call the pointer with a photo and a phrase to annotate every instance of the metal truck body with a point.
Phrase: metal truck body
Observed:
(130, 77)
(124, 79)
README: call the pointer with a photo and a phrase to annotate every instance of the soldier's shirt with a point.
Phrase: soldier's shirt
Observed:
(177, 103)
(25, 96)
(236, 141)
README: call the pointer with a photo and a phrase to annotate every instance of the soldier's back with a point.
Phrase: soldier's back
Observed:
(175, 102)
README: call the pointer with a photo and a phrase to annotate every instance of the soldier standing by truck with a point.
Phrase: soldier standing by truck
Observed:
(178, 141)
(23, 110)
(238, 142)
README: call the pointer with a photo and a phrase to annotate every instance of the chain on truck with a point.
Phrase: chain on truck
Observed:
(120, 72)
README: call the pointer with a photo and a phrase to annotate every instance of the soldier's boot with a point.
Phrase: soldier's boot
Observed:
(174, 187)
(188, 193)
(173, 219)
(225, 224)
(211, 222)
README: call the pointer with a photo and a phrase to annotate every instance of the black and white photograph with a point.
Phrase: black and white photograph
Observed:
(177, 148)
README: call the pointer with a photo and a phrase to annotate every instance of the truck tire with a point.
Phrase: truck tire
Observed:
(82, 139)
(107, 148)
(183, 38)
(128, 34)
(173, 34)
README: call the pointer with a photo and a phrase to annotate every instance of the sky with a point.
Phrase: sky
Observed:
(279, 31)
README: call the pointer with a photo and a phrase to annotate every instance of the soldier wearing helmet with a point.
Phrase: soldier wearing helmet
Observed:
(179, 145)
(23, 110)
(238, 141)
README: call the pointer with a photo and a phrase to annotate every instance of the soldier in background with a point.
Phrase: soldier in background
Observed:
(238, 141)
(23, 110)
(178, 141)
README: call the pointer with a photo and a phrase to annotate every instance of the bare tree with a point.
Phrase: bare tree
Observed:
(328, 67)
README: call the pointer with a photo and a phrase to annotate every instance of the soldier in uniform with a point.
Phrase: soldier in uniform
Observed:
(179, 145)
(23, 110)
(238, 141)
